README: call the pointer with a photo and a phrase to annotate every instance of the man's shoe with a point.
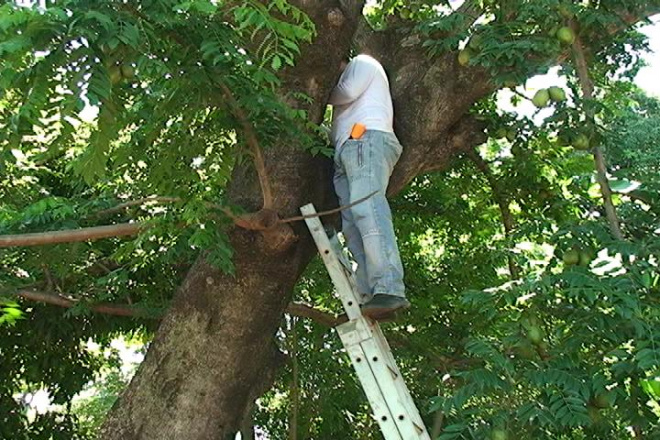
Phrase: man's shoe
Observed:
(382, 305)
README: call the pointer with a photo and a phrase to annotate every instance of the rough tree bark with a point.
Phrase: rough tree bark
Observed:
(215, 352)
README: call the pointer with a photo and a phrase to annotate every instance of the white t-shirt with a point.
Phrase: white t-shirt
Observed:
(362, 95)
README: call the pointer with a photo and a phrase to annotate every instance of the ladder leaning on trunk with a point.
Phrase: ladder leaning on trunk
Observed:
(370, 354)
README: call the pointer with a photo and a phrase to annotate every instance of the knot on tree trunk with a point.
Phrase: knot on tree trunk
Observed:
(336, 17)
(278, 239)
(276, 236)
(258, 221)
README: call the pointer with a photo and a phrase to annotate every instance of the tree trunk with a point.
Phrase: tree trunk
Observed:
(215, 351)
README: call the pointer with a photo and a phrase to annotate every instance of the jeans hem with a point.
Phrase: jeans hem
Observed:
(402, 294)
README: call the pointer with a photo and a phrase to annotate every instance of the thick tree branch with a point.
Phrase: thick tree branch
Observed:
(264, 220)
(427, 116)
(463, 136)
(296, 309)
(253, 143)
(62, 301)
(471, 10)
(71, 235)
(629, 18)
(601, 169)
(318, 316)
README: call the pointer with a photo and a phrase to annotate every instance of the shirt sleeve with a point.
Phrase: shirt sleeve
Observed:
(353, 82)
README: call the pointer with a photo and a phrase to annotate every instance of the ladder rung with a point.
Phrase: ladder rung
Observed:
(354, 332)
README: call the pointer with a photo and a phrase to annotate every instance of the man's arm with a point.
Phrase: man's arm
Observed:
(353, 82)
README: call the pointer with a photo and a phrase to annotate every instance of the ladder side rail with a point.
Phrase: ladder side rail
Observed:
(364, 333)
(401, 385)
(380, 409)
(343, 285)
(398, 403)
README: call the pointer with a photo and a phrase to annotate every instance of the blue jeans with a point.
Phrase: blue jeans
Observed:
(361, 167)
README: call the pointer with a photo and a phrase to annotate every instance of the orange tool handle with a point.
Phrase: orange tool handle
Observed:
(358, 130)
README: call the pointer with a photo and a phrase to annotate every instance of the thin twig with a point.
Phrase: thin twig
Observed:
(164, 199)
(50, 284)
(442, 363)
(507, 216)
(328, 212)
(138, 202)
(601, 169)
(438, 421)
(224, 209)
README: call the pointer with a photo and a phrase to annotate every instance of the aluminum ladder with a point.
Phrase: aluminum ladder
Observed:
(370, 354)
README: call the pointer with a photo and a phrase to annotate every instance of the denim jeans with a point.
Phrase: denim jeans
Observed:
(361, 167)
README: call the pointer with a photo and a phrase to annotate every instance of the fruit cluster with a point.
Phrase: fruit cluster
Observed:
(118, 72)
(564, 34)
(577, 256)
(543, 97)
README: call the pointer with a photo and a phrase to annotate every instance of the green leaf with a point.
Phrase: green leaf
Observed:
(205, 6)
(129, 34)
(276, 62)
(651, 387)
(623, 185)
(101, 18)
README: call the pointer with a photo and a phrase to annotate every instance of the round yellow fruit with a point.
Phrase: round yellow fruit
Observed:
(566, 35)
(557, 94)
(499, 434)
(541, 98)
(571, 256)
(127, 71)
(581, 142)
(535, 335)
(464, 57)
(114, 72)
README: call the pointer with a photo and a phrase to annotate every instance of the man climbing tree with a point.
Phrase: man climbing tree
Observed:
(366, 151)
(154, 156)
